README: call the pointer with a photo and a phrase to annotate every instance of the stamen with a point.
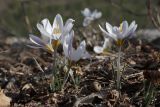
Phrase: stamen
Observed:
(57, 29)
(49, 47)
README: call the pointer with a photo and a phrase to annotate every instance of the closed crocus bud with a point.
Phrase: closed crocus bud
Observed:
(74, 54)
(39, 43)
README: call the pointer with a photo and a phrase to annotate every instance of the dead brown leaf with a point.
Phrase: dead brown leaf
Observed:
(4, 100)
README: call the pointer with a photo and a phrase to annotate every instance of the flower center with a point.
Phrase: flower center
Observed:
(57, 29)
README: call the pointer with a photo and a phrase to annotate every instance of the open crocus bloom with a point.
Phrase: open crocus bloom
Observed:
(39, 43)
(119, 34)
(90, 16)
(57, 31)
(70, 52)
(101, 49)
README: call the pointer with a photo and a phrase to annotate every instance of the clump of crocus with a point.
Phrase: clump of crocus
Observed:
(119, 35)
(52, 36)
(102, 49)
(90, 16)
(72, 54)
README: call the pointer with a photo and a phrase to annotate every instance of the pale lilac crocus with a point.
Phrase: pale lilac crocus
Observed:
(57, 30)
(74, 54)
(121, 33)
(41, 43)
(90, 16)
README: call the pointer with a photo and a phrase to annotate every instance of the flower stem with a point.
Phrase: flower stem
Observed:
(54, 71)
(119, 69)
(66, 75)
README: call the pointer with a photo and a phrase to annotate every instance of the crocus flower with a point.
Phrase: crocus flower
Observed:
(101, 49)
(121, 33)
(39, 43)
(70, 52)
(57, 31)
(90, 16)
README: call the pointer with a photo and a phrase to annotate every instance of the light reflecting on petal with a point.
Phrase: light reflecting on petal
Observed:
(113, 36)
(42, 30)
(47, 26)
(109, 28)
(36, 40)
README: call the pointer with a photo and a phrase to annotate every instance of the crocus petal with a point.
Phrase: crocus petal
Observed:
(35, 47)
(57, 27)
(36, 40)
(124, 28)
(58, 21)
(132, 29)
(98, 15)
(65, 49)
(42, 30)
(68, 26)
(131, 25)
(77, 54)
(47, 26)
(98, 49)
(67, 45)
(106, 43)
(130, 33)
(113, 36)
(109, 28)
(118, 34)
(86, 12)
(87, 21)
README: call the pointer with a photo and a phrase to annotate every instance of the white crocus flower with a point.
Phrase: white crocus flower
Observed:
(57, 31)
(70, 52)
(39, 43)
(119, 34)
(101, 49)
(90, 16)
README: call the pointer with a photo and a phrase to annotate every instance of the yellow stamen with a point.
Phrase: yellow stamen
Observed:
(120, 27)
(49, 48)
(57, 29)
